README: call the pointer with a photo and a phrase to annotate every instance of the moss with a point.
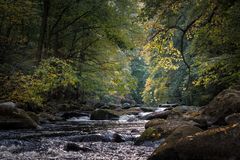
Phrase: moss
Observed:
(155, 122)
(149, 134)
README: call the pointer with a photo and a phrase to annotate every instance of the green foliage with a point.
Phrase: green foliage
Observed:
(83, 49)
(139, 71)
(49, 75)
(206, 33)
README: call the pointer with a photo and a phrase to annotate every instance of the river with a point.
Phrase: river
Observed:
(97, 138)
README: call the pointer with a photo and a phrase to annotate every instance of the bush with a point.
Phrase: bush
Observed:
(52, 73)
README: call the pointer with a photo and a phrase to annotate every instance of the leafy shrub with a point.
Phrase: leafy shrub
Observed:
(52, 73)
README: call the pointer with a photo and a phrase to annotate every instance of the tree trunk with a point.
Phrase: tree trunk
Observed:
(43, 30)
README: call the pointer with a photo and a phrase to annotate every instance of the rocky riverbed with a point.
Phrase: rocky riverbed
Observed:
(97, 140)
(179, 132)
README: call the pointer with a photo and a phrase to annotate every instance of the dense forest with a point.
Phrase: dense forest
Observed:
(120, 58)
(152, 51)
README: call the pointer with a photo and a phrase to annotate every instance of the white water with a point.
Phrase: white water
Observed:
(160, 109)
(78, 119)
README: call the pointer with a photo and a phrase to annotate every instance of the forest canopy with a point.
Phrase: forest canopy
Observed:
(151, 51)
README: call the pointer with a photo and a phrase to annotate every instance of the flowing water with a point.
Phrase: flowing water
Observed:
(48, 141)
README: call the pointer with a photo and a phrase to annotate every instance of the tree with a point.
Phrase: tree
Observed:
(94, 35)
(182, 23)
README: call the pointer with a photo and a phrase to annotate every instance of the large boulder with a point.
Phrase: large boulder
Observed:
(167, 146)
(167, 126)
(182, 112)
(214, 144)
(12, 117)
(157, 129)
(225, 103)
(104, 114)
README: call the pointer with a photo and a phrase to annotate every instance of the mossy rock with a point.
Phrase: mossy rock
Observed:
(149, 134)
(225, 103)
(169, 125)
(215, 144)
(12, 117)
(104, 114)
(155, 122)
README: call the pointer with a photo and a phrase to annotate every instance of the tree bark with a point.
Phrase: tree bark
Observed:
(43, 30)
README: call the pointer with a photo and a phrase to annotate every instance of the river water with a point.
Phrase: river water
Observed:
(49, 141)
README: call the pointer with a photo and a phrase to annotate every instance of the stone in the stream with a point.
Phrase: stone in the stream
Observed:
(12, 117)
(155, 122)
(168, 105)
(103, 114)
(75, 148)
(126, 105)
(70, 114)
(148, 109)
(99, 105)
(225, 103)
(135, 131)
(114, 106)
(170, 141)
(157, 129)
(149, 134)
(155, 115)
(117, 138)
(47, 117)
(214, 144)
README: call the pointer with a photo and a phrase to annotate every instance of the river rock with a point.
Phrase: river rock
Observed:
(148, 109)
(104, 114)
(155, 122)
(225, 103)
(114, 106)
(47, 117)
(170, 141)
(117, 138)
(75, 148)
(150, 134)
(126, 105)
(168, 105)
(155, 115)
(233, 118)
(12, 117)
(163, 128)
(185, 109)
(68, 115)
(99, 105)
(214, 144)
